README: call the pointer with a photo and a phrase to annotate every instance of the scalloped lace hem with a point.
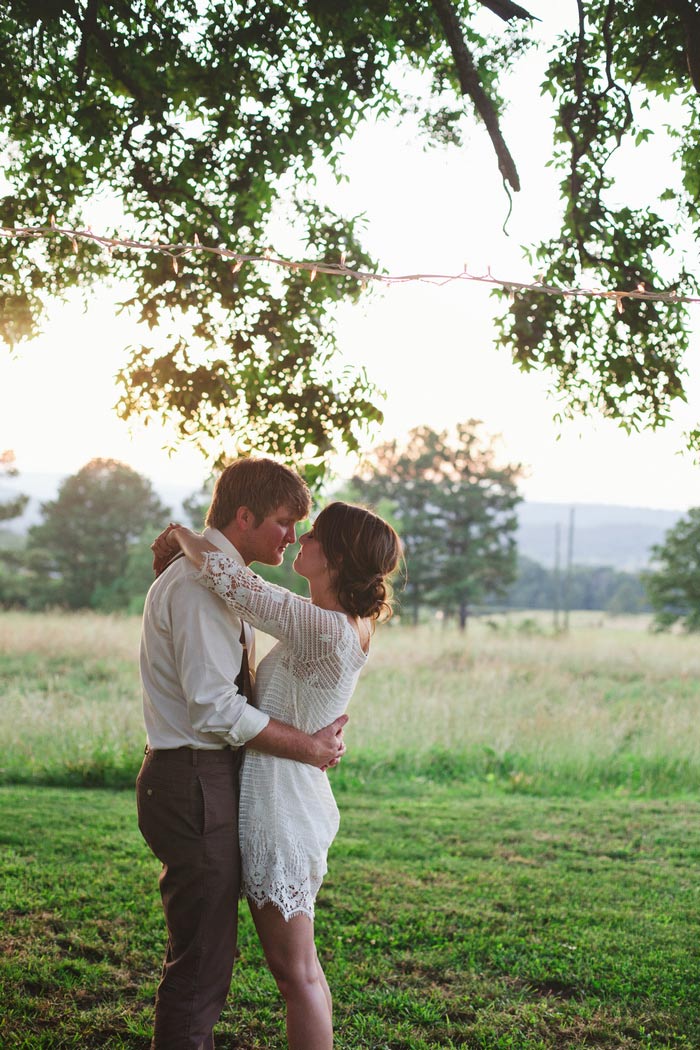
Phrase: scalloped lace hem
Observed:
(285, 876)
(260, 900)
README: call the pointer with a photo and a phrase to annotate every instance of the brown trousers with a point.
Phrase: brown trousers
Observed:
(187, 803)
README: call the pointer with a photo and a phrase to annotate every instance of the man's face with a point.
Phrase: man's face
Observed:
(270, 539)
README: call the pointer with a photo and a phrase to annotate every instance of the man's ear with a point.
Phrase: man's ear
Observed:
(245, 519)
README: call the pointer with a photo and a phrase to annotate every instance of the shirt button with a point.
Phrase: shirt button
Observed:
(149, 791)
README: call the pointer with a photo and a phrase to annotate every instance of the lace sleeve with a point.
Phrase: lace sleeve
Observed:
(275, 610)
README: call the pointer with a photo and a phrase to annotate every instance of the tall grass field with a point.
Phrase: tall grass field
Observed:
(609, 704)
(516, 868)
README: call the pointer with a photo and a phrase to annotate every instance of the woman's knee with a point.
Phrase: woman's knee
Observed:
(294, 975)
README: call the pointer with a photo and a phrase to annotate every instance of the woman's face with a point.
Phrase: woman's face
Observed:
(310, 561)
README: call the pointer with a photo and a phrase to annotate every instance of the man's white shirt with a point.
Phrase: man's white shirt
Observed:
(190, 656)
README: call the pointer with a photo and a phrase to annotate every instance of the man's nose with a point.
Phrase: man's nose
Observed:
(291, 534)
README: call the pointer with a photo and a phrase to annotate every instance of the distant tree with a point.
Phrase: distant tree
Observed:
(197, 503)
(589, 587)
(629, 596)
(14, 506)
(673, 585)
(405, 478)
(598, 587)
(532, 588)
(476, 504)
(127, 592)
(454, 509)
(26, 581)
(82, 545)
(13, 589)
(605, 588)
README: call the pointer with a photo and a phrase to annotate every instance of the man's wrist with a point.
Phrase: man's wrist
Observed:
(313, 750)
(308, 747)
(285, 741)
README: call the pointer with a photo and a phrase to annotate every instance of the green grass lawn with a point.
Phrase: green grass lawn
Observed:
(517, 864)
(452, 917)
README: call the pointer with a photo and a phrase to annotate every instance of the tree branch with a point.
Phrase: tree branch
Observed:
(89, 25)
(471, 85)
(116, 66)
(506, 9)
(689, 15)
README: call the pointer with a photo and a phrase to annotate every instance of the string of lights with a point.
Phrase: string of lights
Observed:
(176, 252)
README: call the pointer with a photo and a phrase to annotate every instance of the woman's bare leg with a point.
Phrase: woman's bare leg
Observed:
(326, 990)
(291, 955)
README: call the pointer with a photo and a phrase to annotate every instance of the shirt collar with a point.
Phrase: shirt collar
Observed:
(224, 545)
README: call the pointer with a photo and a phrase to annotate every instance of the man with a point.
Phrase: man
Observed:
(194, 676)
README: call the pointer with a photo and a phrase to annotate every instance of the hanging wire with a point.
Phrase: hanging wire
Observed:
(339, 269)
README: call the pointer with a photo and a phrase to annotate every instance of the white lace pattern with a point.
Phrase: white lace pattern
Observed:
(288, 816)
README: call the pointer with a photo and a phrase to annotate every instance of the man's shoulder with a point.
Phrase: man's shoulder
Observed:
(178, 571)
(178, 589)
(179, 579)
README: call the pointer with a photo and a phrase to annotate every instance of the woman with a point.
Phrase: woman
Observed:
(288, 816)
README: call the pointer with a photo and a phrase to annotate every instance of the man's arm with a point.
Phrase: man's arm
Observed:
(323, 749)
(208, 654)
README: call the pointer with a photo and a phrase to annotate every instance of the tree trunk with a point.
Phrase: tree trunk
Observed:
(463, 615)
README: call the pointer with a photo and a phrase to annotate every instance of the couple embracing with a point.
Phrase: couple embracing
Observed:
(233, 796)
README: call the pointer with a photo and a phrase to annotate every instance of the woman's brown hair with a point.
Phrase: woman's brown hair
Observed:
(363, 551)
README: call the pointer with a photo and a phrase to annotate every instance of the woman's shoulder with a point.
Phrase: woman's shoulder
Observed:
(356, 629)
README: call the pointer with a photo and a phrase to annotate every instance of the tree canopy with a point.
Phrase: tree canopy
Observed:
(674, 584)
(10, 506)
(604, 77)
(85, 542)
(454, 508)
(205, 120)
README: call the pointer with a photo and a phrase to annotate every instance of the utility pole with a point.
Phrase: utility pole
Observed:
(569, 561)
(557, 576)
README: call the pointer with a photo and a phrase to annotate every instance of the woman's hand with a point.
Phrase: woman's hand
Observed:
(165, 547)
(178, 538)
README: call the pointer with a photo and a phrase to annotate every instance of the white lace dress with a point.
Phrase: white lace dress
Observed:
(288, 816)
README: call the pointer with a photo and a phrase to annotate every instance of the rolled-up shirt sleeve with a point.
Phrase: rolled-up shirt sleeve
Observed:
(207, 653)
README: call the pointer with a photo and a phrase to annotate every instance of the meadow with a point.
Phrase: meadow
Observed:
(607, 705)
(516, 865)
